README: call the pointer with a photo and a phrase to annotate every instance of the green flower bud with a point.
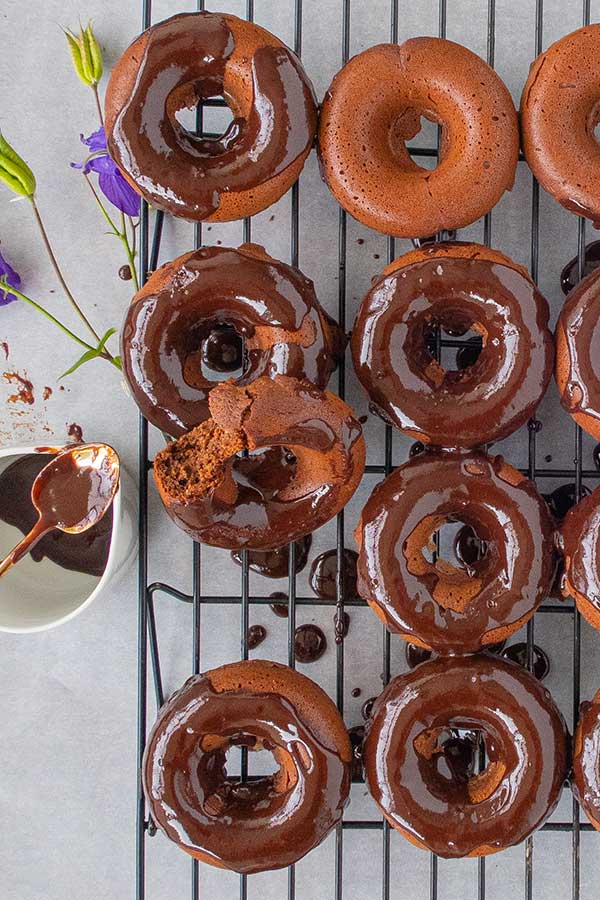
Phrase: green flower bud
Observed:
(86, 55)
(14, 171)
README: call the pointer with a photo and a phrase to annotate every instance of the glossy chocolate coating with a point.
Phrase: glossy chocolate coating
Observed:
(86, 552)
(264, 824)
(256, 635)
(182, 61)
(569, 277)
(450, 608)
(416, 655)
(586, 760)
(518, 653)
(431, 798)
(276, 563)
(578, 352)
(310, 643)
(323, 574)
(276, 502)
(271, 305)
(580, 539)
(562, 499)
(467, 407)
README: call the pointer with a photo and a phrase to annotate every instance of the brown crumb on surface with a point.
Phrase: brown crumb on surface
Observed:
(47, 393)
(75, 432)
(24, 388)
(5, 348)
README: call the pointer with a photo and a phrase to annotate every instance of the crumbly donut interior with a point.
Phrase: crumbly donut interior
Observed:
(198, 462)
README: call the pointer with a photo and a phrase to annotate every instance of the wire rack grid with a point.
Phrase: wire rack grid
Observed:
(148, 654)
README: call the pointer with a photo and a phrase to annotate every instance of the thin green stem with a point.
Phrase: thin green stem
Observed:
(122, 235)
(59, 274)
(98, 104)
(12, 290)
(129, 251)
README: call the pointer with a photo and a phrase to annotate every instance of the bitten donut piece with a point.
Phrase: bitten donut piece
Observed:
(578, 354)
(580, 540)
(373, 108)
(560, 108)
(260, 824)
(212, 295)
(307, 458)
(455, 287)
(174, 65)
(586, 760)
(442, 606)
(422, 748)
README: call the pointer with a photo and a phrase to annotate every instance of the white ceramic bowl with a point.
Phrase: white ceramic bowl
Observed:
(35, 596)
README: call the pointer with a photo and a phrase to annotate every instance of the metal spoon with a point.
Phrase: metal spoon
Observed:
(71, 493)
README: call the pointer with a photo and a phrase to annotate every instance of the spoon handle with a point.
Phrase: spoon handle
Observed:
(25, 545)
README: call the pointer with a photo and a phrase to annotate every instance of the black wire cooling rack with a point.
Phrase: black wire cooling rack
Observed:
(150, 240)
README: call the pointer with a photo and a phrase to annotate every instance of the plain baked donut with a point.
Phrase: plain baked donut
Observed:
(578, 354)
(270, 305)
(560, 108)
(431, 793)
(194, 56)
(457, 287)
(307, 456)
(262, 824)
(439, 605)
(372, 109)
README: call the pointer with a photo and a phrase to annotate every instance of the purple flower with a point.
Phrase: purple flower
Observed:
(12, 277)
(110, 181)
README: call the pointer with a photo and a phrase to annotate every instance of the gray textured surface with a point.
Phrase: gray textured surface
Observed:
(67, 707)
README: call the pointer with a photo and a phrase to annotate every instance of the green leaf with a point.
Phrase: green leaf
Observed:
(14, 171)
(86, 357)
(105, 337)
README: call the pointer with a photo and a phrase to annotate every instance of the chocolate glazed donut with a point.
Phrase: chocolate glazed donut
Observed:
(268, 304)
(191, 57)
(373, 107)
(580, 540)
(456, 287)
(586, 760)
(439, 605)
(411, 771)
(266, 823)
(307, 458)
(578, 354)
(560, 108)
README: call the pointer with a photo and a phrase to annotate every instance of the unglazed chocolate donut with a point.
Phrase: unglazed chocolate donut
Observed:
(578, 354)
(271, 305)
(560, 107)
(262, 824)
(580, 540)
(373, 107)
(310, 461)
(442, 606)
(194, 56)
(447, 808)
(457, 287)
(586, 760)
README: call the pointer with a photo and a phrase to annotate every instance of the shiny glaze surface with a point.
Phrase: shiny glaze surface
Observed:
(580, 539)
(264, 824)
(85, 552)
(276, 500)
(310, 643)
(184, 59)
(578, 337)
(586, 760)
(471, 406)
(569, 277)
(271, 306)
(275, 563)
(505, 586)
(424, 796)
(323, 574)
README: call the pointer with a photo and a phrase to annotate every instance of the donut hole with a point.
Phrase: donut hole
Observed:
(414, 124)
(459, 762)
(453, 343)
(243, 772)
(266, 473)
(201, 113)
(451, 550)
(216, 351)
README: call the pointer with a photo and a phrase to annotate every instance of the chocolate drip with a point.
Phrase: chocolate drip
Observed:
(275, 563)
(569, 277)
(310, 643)
(323, 575)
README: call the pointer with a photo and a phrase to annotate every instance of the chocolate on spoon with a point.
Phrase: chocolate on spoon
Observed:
(71, 493)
